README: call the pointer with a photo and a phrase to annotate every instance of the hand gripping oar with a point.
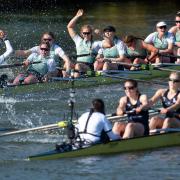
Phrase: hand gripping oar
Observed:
(16, 65)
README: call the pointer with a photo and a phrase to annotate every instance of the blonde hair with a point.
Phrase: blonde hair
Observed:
(177, 74)
(86, 26)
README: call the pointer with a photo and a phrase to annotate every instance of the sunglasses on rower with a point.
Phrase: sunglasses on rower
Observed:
(174, 80)
(44, 49)
(162, 27)
(129, 87)
(177, 21)
(47, 39)
(86, 33)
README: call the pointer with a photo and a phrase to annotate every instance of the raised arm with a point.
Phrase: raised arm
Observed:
(9, 49)
(73, 21)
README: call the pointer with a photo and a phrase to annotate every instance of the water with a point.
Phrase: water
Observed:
(31, 110)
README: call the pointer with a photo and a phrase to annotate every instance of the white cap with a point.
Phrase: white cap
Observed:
(162, 23)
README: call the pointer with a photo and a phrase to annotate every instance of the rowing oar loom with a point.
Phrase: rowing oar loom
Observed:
(63, 124)
(16, 65)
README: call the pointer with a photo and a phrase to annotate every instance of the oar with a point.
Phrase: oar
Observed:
(63, 124)
(166, 69)
(16, 65)
(124, 72)
(164, 64)
(122, 63)
(70, 79)
(127, 78)
(165, 130)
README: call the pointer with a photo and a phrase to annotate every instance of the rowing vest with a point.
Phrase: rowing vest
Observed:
(166, 102)
(161, 43)
(41, 68)
(54, 56)
(141, 117)
(85, 47)
(111, 52)
(177, 35)
(138, 51)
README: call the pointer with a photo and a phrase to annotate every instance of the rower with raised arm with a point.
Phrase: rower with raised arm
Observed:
(9, 49)
(37, 72)
(111, 52)
(56, 52)
(94, 127)
(136, 50)
(134, 104)
(176, 31)
(163, 41)
(86, 47)
(170, 99)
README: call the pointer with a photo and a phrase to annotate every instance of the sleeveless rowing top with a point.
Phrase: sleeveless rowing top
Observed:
(166, 102)
(142, 117)
(138, 51)
(111, 52)
(177, 35)
(41, 68)
(161, 43)
(54, 56)
(85, 47)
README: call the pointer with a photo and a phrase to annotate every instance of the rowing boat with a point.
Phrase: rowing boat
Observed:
(121, 146)
(100, 79)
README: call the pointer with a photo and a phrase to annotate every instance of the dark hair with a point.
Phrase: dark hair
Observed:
(109, 28)
(46, 43)
(130, 38)
(177, 74)
(134, 83)
(98, 106)
(48, 33)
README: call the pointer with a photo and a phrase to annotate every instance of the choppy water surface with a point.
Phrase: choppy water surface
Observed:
(31, 110)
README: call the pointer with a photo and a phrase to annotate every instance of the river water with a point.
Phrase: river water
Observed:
(24, 28)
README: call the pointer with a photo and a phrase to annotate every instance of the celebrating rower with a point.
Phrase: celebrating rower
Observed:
(94, 127)
(171, 104)
(136, 50)
(163, 41)
(56, 52)
(85, 46)
(111, 52)
(37, 72)
(9, 49)
(176, 31)
(134, 104)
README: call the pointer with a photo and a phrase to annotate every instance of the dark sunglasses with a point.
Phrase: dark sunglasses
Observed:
(174, 80)
(130, 87)
(177, 21)
(44, 49)
(86, 33)
(162, 27)
(47, 39)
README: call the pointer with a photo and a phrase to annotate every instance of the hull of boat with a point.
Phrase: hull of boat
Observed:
(90, 81)
(121, 146)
